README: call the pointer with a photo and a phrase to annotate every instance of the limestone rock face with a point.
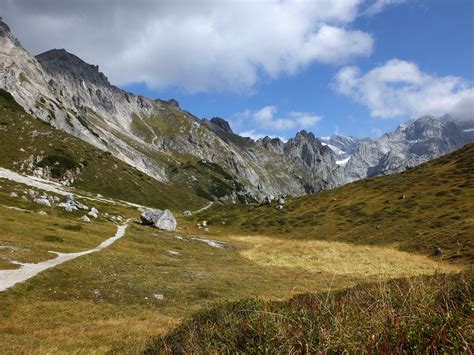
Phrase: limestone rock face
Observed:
(412, 143)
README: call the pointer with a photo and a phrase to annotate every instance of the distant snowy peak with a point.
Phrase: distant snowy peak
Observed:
(412, 143)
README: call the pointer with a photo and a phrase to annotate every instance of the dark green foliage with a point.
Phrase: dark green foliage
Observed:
(59, 164)
(421, 315)
(203, 193)
(53, 238)
(7, 100)
(216, 168)
(75, 228)
(220, 188)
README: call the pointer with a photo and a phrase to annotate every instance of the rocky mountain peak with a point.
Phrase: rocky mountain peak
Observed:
(429, 127)
(275, 145)
(61, 62)
(173, 103)
(4, 28)
(303, 134)
(222, 124)
(6, 32)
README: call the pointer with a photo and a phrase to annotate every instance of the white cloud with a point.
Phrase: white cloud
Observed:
(266, 118)
(198, 45)
(255, 135)
(379, 5)
(399, 88)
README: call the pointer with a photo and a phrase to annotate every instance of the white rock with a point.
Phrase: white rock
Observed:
(42, 201)
(159, 219)
(85, 219)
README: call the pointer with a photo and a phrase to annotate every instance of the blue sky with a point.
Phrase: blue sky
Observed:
(437, 35)
(272, 67)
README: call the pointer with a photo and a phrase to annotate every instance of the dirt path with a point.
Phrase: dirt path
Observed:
(56, 188)
(204, 208)
(9, 278)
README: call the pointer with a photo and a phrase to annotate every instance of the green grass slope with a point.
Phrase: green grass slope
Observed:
(24, 138)
(419, 315)
(429, 206)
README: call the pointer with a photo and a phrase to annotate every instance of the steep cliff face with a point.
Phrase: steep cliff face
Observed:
(156, 136)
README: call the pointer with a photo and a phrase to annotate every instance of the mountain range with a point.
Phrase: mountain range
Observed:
(206, 157)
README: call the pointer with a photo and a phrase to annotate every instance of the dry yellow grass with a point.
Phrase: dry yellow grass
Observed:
(339, 258)
(47, 327)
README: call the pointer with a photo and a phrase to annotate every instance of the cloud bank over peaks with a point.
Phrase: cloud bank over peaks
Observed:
(400, 88)
(199, 45)
(266, 119)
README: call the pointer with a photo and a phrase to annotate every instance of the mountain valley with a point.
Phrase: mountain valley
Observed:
(306, 245)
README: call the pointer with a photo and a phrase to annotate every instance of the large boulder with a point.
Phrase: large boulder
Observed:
(159, 219)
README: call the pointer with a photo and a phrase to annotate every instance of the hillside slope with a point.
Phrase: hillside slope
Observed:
(418, 315)
(155, 136)
(33, 147)
(418, 210)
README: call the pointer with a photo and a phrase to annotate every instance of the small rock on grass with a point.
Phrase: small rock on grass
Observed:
(42, 201)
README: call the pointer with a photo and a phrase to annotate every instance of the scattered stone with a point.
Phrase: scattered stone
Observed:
(204, 223)
(94, 212)
(81, 206)
(42, 213)
(267, 200)
(99, 196)
(42, 201)
(67, 207)
(159, 219)
(158, 296)
(210, 242)
(279, 207)
(172, 252)
(187, 213)
(70, 208)
(402, 197)
(119, 218)
(281, 201)
(70, 199)
(13, 194)
(85, 219)
(206, 229)
(32, 193)
(437, 251)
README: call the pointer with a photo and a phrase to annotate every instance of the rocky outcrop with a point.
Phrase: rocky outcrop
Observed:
(159, 219)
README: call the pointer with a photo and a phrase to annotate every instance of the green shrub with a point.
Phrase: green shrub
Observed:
(59, 164)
